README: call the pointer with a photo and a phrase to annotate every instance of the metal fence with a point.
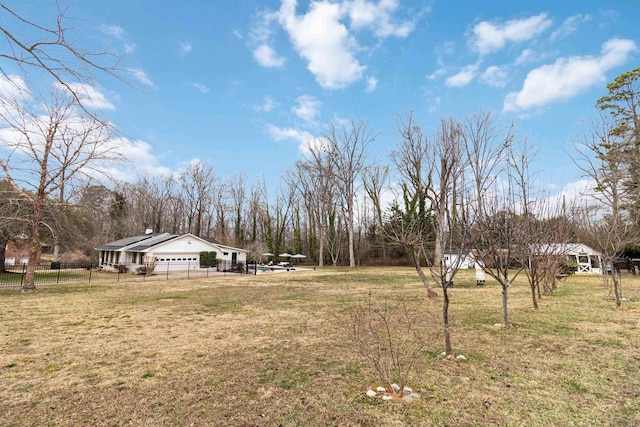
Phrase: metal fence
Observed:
(59, 273)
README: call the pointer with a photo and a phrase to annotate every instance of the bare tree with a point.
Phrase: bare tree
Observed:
(448, 233)
(43, 152)
(347, 151)
(49, 50)
(198, 183)
(496, 228)
(314, 179)
(600, 155)
(408, 225)
(375, 180)
(237, 191)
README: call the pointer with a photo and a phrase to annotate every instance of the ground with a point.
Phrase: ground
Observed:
(272, 350)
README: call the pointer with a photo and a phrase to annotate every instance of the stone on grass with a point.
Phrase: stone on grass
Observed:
(395, 387)
(407, 390)
(460, 357)
(410, 398)
(381, 389)
(371, 393)
(387, 397)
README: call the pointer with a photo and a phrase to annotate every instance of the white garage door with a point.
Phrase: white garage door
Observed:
(176, 262)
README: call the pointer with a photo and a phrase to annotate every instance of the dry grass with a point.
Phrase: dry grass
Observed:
(270, 350)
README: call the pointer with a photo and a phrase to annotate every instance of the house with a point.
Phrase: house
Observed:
(171, 252)
(589, 260)
(463, 259)
(16, 252)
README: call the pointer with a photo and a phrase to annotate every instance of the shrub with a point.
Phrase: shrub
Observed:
(208, 259)
(568, 266)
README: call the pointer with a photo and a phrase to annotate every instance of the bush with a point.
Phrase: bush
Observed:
(568, 267)
(208, 259)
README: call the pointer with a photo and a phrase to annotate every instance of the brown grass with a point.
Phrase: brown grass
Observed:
(271, 350)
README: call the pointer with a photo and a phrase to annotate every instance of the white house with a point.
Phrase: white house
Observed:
(172, 252)
(589, 260)
(463, 259)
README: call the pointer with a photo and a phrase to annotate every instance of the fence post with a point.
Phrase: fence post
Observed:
(188, 269)
(58, 277)
(22, 275)
(168, 270)
(90, 270)
(118, 268)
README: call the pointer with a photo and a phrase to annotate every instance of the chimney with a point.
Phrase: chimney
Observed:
(148, 231)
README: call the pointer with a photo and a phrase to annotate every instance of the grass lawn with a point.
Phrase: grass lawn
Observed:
(271, 350)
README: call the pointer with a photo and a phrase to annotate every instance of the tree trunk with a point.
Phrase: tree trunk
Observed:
(29, 284)
(616, 287)
(425, 280)
(534, 297)
(445, 318)
(352, 256)
(505, 305)
(321, 233)
(3, 247)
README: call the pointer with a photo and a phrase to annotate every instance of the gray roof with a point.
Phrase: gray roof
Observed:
(146, 244)
(119, 244)
(146, 241)
(210, 240)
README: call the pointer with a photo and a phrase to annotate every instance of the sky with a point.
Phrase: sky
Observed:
(243, 85)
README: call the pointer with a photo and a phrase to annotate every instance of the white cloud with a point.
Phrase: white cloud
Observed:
(495, 76)
(261, 44)
(202, 88)
(372, 84)
(378, 17)
(305, 139)
(13, 88)
(267, 57)
(129, 48)
(437, 73)
(88, 95)
(489, 37)
(140, 160)
(140, 75)
(268, 105)
(185, 48)
(525, 56)
(462, 78)
(113, 31)
(237, 34)
(321, 39)
(307, 108)
(567, 77)
(280, 134)
(569, 26)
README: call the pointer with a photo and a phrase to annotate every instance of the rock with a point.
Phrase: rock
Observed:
(395, 387)
(407, 390)
(460, 358)
(371, 393)
(387, 397)
(443, 354)
(381, 389)
(497, 325)
(410, 398)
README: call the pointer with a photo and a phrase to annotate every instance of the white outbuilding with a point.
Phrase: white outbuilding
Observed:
(588, 259)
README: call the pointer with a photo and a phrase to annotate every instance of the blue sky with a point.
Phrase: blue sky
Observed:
(242, 85)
